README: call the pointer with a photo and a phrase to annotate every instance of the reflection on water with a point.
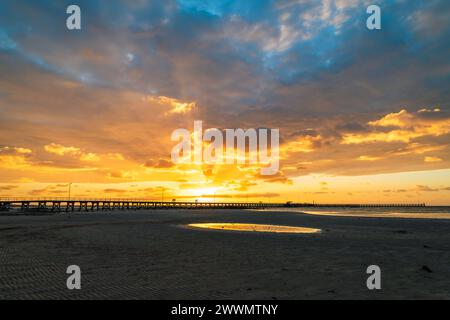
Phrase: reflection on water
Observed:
(254, 227)
(410, 213)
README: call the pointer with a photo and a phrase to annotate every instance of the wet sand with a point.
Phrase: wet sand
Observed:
(155, 255)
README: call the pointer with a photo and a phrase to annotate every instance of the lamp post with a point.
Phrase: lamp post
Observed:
(70, 187)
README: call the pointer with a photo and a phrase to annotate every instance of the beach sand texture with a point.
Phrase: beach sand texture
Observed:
(155, 255)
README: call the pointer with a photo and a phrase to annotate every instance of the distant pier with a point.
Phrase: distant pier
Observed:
(44, 205)
(349, 205)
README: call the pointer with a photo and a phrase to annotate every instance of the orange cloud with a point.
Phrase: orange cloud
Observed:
(368, 158)
(61, 150)
(159, 164)
(176, 106)
(305, 144)
(432, 159)
(405, 126)
(14, 157)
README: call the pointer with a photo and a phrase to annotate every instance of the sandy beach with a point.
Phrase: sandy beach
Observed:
(155, 255)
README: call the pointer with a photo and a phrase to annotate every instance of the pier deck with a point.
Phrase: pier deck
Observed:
(49, 205)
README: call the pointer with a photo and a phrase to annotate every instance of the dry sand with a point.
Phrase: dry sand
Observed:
(154, 255)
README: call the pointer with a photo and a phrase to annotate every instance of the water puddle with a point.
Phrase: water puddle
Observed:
(250, 227)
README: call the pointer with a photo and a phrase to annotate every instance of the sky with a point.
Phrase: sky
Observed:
(364, 115)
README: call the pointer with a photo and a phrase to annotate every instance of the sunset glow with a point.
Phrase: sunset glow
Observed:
(96, 108)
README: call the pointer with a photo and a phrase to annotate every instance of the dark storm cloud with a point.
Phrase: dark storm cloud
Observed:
(286, 57)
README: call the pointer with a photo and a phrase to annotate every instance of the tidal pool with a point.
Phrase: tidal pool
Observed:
(250, 227)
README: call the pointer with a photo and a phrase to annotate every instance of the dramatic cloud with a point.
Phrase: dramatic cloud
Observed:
(402, 127)
(98, 106)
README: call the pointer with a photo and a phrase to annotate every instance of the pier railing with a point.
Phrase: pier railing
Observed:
(61, 205)
(71, 205)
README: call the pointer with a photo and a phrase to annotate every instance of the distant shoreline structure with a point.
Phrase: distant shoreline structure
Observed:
(67, 205)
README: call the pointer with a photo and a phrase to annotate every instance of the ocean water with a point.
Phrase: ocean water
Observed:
(407, 212)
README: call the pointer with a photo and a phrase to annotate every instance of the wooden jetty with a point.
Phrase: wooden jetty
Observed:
(110, 205)
(61, 205)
